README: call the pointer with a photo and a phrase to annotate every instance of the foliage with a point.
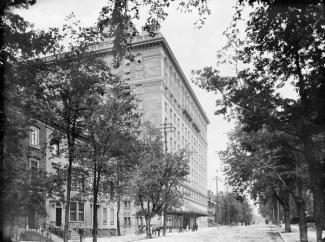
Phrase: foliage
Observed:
(65, 87)
(116, 19)
(21, 188)
(282, 49)
(233, 211)
(158, 176)
(110, 134)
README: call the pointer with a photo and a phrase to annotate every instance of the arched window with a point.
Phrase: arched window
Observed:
(34, 136)
(138, 59)
(127, 62)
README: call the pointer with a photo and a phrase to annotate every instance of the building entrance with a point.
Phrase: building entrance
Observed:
(58, 216)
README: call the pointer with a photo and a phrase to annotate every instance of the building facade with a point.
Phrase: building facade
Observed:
(165, 97)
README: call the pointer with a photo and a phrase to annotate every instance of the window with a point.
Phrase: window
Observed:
(73, 211)
(55, 147)
(78, 181)
(138, 59)
(81, 211)
(77, 211)
(104, 215)
(112, 215)
(127, 221)
(34, 165)
(34, 137)
(127, 204)
(127, 62)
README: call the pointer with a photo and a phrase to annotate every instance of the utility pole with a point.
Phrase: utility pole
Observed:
(228, 207)
(167, 127)
(217, 201)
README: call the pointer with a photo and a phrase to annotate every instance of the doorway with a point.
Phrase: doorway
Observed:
(58, 216)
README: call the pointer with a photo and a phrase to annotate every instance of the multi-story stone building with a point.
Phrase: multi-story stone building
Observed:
(166, 97)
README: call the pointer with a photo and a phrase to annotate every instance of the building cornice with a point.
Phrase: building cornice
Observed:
(147, 41)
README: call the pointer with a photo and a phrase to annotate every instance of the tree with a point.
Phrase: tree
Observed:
(21, 44)
(64, 89)
(234, 210)
(282, 47)
(158, 176)
(110, 133)
(267, 166)
(116, 19)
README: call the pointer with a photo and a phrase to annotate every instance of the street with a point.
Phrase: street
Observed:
(258, 233)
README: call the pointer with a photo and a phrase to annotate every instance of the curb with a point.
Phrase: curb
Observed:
(281, 236)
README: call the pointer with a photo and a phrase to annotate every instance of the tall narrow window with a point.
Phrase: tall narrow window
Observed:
(81, 211)
(73, 211)
(129, 221)
(112, 215)
(105, 216)
(34, 137)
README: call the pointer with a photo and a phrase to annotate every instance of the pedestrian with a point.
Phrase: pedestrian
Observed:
(180, 229)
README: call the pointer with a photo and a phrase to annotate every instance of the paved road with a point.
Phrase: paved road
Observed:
(255, 233)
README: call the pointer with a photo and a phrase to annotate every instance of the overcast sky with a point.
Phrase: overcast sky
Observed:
(193, 48)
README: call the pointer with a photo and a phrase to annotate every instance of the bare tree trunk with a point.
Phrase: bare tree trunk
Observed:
(318, 214)
(164, 222)
(286, 209)
(95, 225)
(148, 229)
(316, 172)
(67, 203)
(302, 221)
(95, 194)
(118, 215)
(287, 226)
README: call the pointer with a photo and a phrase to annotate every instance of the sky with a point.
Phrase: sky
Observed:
(193, 48)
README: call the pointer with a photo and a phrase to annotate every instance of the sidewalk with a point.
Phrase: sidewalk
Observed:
(294, 235)
(125, 238)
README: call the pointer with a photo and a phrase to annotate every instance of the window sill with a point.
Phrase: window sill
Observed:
(34, 147)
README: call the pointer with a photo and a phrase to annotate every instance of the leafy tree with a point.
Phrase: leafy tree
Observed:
(158, 176)
(266, 166)
(282, 48)
(20, 188)
(234, 210)
(116, 19)
(110, 132)
(65, 88)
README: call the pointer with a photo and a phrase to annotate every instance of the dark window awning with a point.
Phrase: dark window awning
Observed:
(188, 213)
